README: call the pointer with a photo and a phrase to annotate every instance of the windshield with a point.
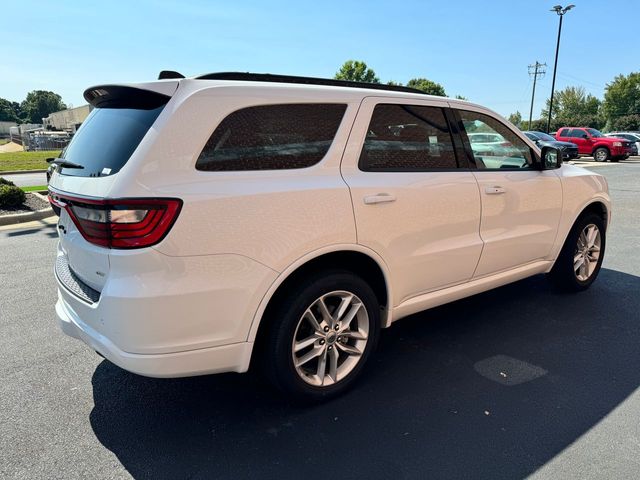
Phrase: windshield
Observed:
(594, 133)
(545, 136)
(107, 139)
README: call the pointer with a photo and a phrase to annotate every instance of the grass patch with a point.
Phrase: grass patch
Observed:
(39, 188)
(10, 161)
(4, 141)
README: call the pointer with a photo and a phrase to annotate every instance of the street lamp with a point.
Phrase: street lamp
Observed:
(560, 11)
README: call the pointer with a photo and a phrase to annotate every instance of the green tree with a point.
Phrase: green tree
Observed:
(427, 86)
(9, 111)
(356, 71)
(624, 123)
(39, 104)
(461, 97)
(574, 107)
(516, 119)
(539, 125)
(621, 99)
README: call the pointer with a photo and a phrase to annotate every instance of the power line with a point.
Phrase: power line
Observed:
(535, 70)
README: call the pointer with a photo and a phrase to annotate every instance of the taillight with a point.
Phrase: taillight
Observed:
(121, 223)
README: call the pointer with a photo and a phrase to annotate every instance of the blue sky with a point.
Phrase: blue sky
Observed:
(479, 49)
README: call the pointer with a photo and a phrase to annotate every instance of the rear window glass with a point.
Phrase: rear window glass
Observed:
(272, 137)
(107, 139)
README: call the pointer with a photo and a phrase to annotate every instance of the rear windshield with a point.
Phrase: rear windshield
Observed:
(107, 139)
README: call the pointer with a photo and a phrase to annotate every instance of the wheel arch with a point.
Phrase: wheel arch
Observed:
(595, 206)
(596, 147)
(599, 204)
(356, 258)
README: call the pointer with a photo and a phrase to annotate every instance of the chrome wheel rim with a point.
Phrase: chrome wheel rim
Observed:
(330, 338)
(587, 253)
(601, 156)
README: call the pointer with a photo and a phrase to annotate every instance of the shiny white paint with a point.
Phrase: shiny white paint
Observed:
(431, 226)
(193, 303)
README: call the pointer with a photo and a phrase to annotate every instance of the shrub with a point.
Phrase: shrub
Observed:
(11, 196)
(4, 181)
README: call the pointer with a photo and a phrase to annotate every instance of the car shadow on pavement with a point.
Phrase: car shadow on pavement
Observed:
(493, 386)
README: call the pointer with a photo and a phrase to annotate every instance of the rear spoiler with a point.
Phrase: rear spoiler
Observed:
(121, 96)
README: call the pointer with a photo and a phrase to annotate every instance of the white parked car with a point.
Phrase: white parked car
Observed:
(633, 137)
(233, 219)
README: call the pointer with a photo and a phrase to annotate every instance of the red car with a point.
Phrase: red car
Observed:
(591, 142)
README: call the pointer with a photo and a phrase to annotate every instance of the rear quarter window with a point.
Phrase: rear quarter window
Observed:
(272, 137)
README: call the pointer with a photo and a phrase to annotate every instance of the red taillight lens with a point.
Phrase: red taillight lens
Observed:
(125, 223)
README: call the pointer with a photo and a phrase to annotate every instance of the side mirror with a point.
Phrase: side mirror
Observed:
(585, 136)
(551, 158)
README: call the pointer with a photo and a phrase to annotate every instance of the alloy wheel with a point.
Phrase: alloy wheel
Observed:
(330, 338)
(587, 253)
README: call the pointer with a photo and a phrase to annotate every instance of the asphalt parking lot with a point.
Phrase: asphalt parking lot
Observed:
(516, 382)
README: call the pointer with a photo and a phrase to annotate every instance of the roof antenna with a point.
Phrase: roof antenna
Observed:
(165, 74)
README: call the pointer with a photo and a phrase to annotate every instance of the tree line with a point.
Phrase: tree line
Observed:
(572, 106)
(359, 71)
(37, 105)
(618, 110)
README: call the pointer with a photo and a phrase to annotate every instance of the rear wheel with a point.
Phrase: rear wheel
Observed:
(580, 259)
(322, 335)
(601, 154)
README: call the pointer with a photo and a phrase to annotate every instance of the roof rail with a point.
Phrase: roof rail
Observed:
(268, 77)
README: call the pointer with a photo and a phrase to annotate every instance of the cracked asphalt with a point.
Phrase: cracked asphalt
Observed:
(516, 382)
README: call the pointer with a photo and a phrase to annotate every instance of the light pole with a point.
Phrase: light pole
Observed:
(560, 11)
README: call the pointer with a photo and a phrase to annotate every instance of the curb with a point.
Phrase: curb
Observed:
(18, 172)
(29, 216)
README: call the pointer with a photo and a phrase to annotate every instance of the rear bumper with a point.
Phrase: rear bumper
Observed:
(163, 316)
(226, 358)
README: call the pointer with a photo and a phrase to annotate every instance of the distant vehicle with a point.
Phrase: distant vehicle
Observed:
(633, 137)
(569, 150)
(591, 142)
(490, 144)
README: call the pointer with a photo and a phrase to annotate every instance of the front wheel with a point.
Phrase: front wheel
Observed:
(580, 259)
(322, 335)
(601, 154)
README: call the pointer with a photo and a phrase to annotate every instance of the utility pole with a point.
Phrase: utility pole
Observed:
(535, 70)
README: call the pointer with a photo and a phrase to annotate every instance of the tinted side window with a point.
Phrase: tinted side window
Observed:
(494, 145)
(564, 132)
(272, 137)
(576, 133)
(407, 138)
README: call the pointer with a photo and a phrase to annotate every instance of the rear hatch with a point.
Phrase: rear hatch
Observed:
(91, 223)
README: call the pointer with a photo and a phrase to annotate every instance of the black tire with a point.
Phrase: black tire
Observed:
(277, 354)
(601, 152)
(563, 275)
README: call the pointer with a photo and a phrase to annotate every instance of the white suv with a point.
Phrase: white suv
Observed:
(213, 222)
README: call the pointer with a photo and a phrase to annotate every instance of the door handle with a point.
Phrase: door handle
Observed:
(379, 198)
(496, 190)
